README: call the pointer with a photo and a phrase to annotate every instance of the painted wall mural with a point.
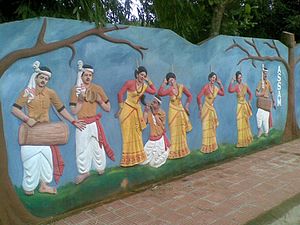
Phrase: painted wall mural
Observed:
(104, 110)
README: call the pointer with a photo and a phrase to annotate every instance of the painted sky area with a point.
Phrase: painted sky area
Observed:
(115, 63)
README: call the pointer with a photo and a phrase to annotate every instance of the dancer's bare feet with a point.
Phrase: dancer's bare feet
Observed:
(80, 178)
(100, 172)
(44, 188)
(28, 192)
(259, 132)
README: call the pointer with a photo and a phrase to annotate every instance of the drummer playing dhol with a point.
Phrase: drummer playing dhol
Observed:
(38, 164)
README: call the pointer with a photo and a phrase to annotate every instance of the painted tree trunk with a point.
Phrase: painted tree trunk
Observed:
(12, 210)
(291, 130)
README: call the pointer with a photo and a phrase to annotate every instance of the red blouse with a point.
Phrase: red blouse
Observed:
(205, 91)
(130, 86)
(237, 90)
(164, 92)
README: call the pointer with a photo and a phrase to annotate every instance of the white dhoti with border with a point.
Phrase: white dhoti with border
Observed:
(262, 117)
(37, 165)
(89, 155)
(156, 153)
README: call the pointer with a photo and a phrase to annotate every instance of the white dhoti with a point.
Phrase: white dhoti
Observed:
(262, 117)
(38, 165)
(89, 155)
(156, 153)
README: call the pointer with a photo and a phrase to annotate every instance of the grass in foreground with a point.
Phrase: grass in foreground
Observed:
(285, 213)
(117, 181)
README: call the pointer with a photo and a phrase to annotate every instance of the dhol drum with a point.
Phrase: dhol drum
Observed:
(264, 103)
(56, 133)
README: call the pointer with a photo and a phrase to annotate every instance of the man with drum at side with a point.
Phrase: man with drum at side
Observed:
(264, 116)
(39, 162)
(91, 144)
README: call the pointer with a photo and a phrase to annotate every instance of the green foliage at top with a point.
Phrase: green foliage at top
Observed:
(273, 17)
(184, 17)
(88, 10)
(194, 20)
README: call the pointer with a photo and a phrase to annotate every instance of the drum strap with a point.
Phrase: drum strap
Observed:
(58, 163)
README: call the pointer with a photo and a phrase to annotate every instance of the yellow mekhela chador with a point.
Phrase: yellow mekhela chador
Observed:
(209, 118)
(243, 113)
(132, 123)
(179, 123)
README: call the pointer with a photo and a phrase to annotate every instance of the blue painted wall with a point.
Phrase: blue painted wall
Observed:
(115, 63)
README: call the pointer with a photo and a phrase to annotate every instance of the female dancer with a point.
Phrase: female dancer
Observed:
(243, 111)
(131, 117)
(208, 113)
(179, 122)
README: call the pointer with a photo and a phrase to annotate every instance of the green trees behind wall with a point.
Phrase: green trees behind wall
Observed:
(194, 20)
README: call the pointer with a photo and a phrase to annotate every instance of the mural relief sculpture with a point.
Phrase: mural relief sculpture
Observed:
(41, 161)
(43, 44)
(157, 147)
(264, 104)
(208, 114)
(131, 117)
(59, 41)
(253, 54)
(179, 122)
(91, 143)
(243, 111)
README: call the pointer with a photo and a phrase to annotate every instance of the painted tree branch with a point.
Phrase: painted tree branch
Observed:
(236, 45)
(42, 47)
(258, 57)
(265, 58)
(253, 45)
(40, 40)
(73, 52)
(273, 46)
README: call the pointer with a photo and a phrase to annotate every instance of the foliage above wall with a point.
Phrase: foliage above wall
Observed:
(194, 20)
